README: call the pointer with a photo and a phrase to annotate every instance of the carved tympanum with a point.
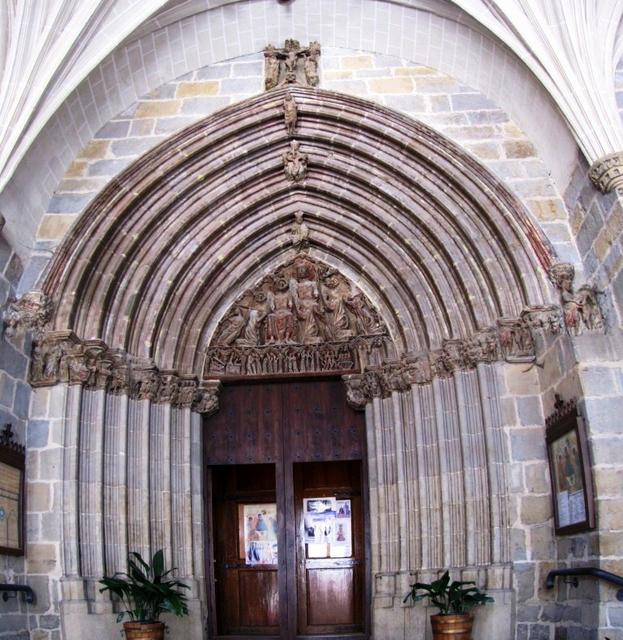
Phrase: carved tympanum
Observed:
(581, 312)
(31, 312)
(304, 317)
(291, 64)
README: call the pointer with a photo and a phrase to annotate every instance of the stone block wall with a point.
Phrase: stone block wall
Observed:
(445, 104)
(17, 618)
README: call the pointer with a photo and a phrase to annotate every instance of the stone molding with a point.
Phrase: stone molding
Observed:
(30, 312)
(607, 172)
(512, 340)
(61, 357)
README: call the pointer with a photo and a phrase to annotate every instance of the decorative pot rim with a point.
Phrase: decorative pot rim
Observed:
(129, 623)
(451, 615)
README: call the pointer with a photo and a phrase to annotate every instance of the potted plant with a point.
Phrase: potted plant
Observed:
(146, 592)
(454, 601)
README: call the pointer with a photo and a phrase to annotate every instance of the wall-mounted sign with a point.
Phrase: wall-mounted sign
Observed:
(12, 506)
(572, 487)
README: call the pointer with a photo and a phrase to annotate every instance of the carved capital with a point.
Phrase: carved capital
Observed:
(516, 340)
(417, 368)
(607, 172)
(483, 346)
(31, 312)
(186, 391)
(168, 388)
(145, 383)
(546, 319)
(206, 397)
(51, 357)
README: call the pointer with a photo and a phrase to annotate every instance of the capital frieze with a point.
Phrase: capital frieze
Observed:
(61, 357)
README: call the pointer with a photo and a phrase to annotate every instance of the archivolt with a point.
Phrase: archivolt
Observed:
(435, 241)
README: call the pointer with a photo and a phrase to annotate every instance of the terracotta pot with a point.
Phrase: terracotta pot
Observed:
(457, 627)
(144, 630)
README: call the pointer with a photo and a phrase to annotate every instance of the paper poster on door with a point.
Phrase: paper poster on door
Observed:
(319, 520)
(259, 526)
(341, 545)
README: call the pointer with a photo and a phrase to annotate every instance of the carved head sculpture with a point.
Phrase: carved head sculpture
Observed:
(298, 216)
(270, 51)
(332, 281)
(259, 296)
(305, 271)
(281, 284)
(562, 275)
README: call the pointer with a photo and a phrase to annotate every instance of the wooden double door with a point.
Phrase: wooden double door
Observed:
(287, 531)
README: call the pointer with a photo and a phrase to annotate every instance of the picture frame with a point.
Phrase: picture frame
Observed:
(12, 494)
(570, 471)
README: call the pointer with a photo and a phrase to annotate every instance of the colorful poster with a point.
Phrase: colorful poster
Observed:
(259, 524)
(342, 545)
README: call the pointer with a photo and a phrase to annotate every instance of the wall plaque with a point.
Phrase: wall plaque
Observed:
(572, 488)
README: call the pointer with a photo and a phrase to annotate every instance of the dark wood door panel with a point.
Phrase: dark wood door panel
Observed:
(259, 599)
(330, 597)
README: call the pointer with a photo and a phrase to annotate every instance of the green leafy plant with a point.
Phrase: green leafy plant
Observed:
(450, 598)
(146, 590)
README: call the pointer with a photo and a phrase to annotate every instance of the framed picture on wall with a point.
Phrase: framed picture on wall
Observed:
(12, 465)
(572, 486)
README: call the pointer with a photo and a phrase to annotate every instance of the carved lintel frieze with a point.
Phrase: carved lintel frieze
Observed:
(31, 312)
(607, 172)
(581, 312)
(291, 64)
(206, 397)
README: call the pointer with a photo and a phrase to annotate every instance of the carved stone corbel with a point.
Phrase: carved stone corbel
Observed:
(356, 395)
(31, 312)
(206, 397)
(607, 172)
(580, 310)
